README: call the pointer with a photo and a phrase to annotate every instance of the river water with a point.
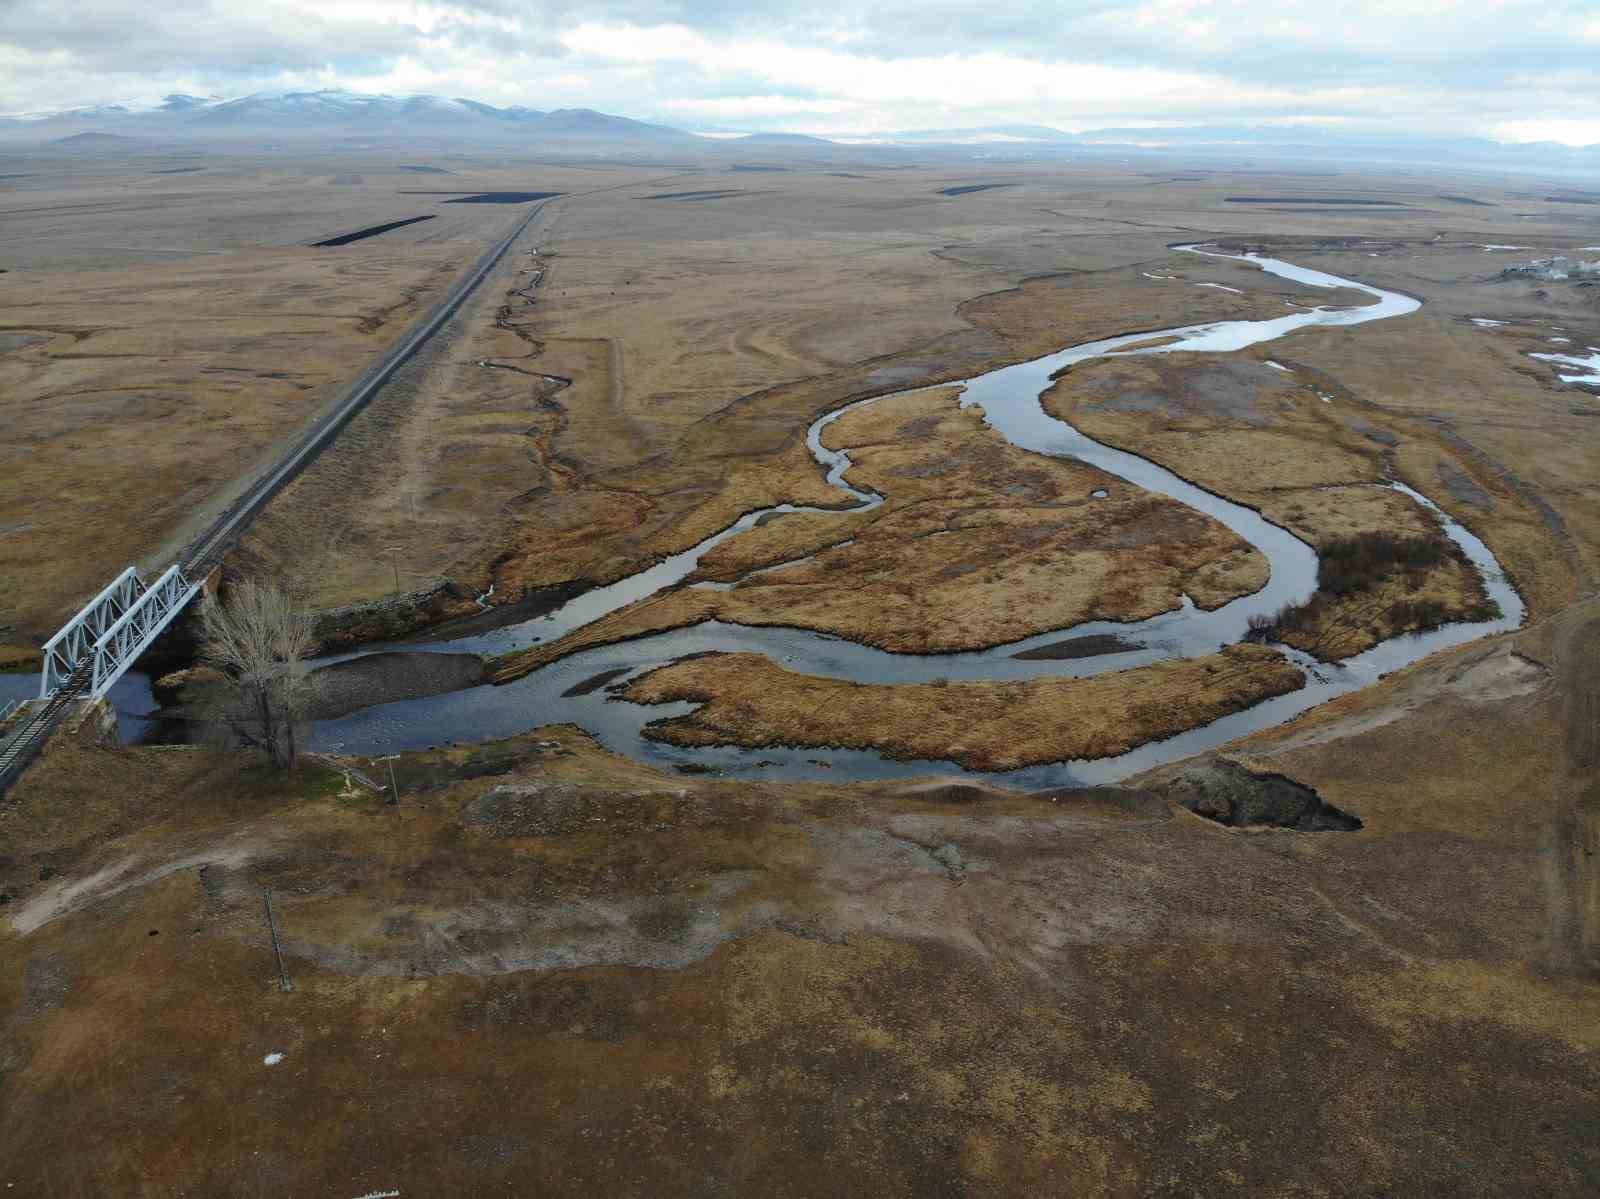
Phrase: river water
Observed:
(1010, 400)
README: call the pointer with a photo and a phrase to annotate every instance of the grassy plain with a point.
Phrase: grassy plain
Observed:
(977, 543)
(550, 969)
(700, 340)
(1268, 437)
(161, 336)
(748, 700)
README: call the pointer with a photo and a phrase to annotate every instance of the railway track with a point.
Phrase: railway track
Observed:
(205, 552)
(35, 729)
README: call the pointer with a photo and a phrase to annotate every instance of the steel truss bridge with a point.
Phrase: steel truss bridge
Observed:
(91, 652)
(98, 645)
(113, 629)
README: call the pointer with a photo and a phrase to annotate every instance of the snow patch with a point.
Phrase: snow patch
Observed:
(272, 1059)
(1589, 366)
(1279, 367)
(1221, 287)
(1484, 322)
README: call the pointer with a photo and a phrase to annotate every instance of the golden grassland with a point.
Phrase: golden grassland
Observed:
(19, 657)
(162, 337)
(554, 970)
(1297, 448)
(751, 702)
(777, 540)
(977, 543)
(127, 422)
(699, 341)
(1483, 430)
(699, 338)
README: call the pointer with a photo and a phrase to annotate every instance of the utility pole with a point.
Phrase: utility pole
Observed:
(277, 950)
(394, 787)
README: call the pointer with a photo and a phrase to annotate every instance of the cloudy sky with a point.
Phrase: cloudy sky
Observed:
(1508, 69)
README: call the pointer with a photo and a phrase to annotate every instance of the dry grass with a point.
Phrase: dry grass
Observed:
(1268, 439)
(1483, 431)
(700, 343)
(133, 420)
(978, 543)
(1112, 303)
(982, 726)
(781, 539)
(161, 336)
(998, 996)
(701, 339)
(19, 657)
(1376, 585)
(727, 975)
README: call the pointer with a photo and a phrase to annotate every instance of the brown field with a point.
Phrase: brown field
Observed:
(751, 702)
(554, 971)
(145, 394)
(1485, 432)
(699, 346)
(1269, 439)
(162, 338)
(699, 340)
(978, 543)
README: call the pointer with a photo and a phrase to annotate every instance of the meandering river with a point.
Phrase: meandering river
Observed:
(1010, 401)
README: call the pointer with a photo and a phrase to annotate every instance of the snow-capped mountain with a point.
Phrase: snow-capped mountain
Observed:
(330, 112)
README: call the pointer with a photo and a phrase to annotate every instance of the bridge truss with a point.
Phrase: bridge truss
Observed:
(113, 629)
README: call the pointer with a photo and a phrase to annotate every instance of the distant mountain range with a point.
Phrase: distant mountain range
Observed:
(781, 139)
(1321, 142)
(1233, 142)
(305, 115)
(333, 113)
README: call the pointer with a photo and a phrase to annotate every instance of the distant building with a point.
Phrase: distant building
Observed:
(1557, 269)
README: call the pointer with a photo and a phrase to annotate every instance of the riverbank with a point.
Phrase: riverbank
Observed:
(746, 700)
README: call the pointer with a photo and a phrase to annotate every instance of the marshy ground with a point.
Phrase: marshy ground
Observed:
(1359, 953)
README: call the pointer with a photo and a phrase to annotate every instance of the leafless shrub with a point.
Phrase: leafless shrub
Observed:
(1348, 565)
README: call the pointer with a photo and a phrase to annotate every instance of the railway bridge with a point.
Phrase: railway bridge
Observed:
(98, 645)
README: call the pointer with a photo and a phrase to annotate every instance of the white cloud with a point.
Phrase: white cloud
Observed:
(1509, 68)
(1573, 133)
(733, 107)
(1001, 86)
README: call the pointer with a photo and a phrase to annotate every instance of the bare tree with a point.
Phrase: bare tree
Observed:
(259, 640)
